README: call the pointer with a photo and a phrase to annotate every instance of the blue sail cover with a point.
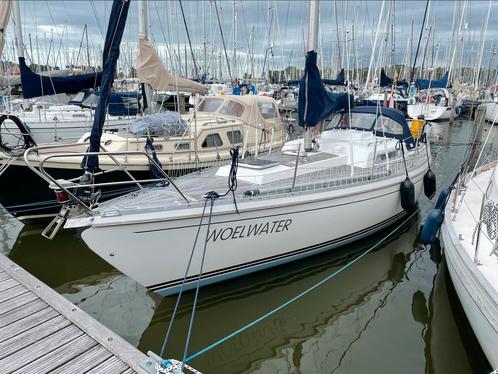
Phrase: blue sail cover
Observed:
(423, 84)
(115, 30)
(339, 81)
(35, 85)
(120, 103)
(384, 80)
(315, 102)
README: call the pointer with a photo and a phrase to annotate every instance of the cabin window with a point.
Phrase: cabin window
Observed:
(210, 105)
(212, 140)
(388, 125)
(234, 137)
(182, 146)
(268, 110)
(232, 108)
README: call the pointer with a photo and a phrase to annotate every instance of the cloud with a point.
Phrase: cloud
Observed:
(276, 29)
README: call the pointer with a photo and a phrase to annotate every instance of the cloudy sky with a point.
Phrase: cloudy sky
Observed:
(273, 32)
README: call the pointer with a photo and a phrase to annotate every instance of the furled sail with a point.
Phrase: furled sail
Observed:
(115, 30)
(423, 84)
(35, 85)
(315, 102)
(4, 20)
(151, 70)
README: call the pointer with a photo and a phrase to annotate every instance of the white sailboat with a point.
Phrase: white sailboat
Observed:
(353, 180)
(434, 104)
(469, 238)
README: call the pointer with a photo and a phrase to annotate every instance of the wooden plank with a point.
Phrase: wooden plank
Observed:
(8, 283)
(129, 371)
(85, 361)
(112, 365)
(59, 356)
(29, 337)
(22, 311)
(4, 276)
(6, 295)
(27, 323)
(111, 341)
(17, 302)
(23, 357)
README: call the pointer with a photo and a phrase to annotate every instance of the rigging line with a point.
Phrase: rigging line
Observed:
(303, 293)
(189, 41)
(412, 75)
(182, 287)
(97, 18)
(171, 55)
(223, 39)
(211, 197)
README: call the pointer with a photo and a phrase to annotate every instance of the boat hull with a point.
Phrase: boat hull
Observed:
(477, 297)
(266, 233)
(431, 112)
(491, 112)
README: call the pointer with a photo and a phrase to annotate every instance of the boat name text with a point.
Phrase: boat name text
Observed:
(245, 231)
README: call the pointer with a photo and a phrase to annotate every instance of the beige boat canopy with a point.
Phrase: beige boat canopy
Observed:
(256, 111)
(151, 70)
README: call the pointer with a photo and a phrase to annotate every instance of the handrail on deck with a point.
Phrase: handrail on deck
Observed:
(42, 173)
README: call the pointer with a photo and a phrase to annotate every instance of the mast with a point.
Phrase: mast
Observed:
(481, 49)
(235, 67)
(374, 46)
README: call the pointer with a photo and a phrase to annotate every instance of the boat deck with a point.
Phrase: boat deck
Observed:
(41, 332)
(313, 175)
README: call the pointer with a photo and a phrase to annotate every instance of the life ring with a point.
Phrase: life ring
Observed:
(28, 140)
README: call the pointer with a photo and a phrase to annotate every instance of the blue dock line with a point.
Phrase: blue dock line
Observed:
(300, 295)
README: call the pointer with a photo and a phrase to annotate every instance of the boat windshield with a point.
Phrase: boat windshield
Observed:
(268, 110)
(210, 105)
(361, 121)
(232, 108)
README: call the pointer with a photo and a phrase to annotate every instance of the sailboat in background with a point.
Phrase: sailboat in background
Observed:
(53, 122)
(433, 100)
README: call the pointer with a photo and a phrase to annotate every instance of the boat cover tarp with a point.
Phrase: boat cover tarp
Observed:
(115, 30)
(159, 124)
(384, 80)
(315, 102)
(35, 85)
(423, 84)
(151, 71)
(339, 81)
(395, 115)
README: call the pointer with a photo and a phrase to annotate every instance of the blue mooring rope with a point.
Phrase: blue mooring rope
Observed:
(300, 295)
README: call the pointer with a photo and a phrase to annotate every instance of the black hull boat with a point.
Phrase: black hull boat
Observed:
(32, 201)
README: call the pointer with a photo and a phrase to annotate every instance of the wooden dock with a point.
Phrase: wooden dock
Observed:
(41, 332)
